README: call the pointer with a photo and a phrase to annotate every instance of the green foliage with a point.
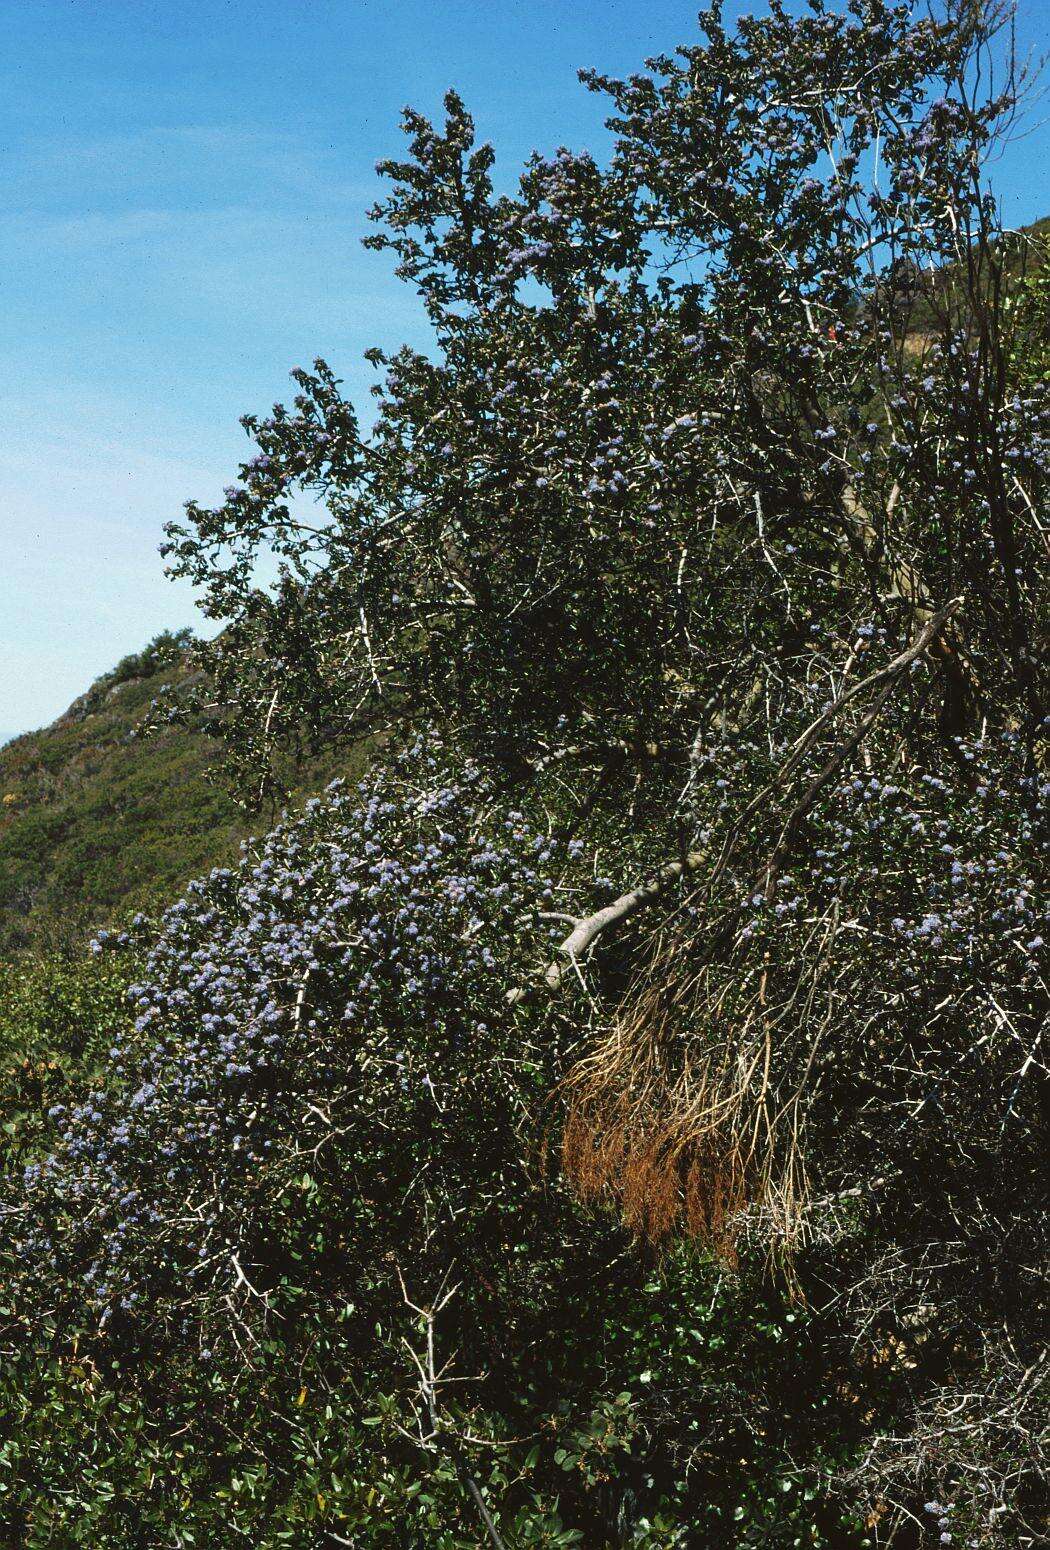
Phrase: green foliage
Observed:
(371, 1154)
(58, 1016)
(165, 650)
(588, 1446)
(1030, 303)
(548, 537)
(618, 1123)
(97, 821)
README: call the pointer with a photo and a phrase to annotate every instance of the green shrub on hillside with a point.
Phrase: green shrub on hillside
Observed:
(615, 1122)
(58, 1017)
(97, 821)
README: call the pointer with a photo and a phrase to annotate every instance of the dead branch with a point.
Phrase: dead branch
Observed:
(587, 930)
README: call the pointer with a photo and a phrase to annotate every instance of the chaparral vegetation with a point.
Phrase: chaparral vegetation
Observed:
(614, 1118)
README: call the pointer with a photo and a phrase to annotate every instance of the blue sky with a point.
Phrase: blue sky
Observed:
(184, 197)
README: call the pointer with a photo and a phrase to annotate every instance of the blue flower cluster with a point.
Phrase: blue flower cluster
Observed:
(329, 1009)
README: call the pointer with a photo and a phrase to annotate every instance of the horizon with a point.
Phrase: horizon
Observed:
(186, 199)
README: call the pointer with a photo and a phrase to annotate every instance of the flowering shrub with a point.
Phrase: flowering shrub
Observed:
(320, 1108)
(331, 1011)
(710, 536)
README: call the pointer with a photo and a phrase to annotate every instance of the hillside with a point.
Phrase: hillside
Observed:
(95, 820)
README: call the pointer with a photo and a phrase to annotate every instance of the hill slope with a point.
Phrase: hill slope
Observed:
(95, 821)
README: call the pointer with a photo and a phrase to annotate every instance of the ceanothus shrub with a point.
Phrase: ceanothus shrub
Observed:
(323, 1080)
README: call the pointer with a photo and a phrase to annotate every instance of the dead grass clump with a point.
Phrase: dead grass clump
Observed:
(687, 1112)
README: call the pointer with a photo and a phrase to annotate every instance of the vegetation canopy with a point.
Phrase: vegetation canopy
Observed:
(616, 1120)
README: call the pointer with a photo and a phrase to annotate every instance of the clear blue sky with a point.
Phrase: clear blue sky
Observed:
(184, 188)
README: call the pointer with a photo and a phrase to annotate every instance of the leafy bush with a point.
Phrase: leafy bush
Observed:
(322, 1035)
(58, 1016)
(618, 1124)
(294, 1012)
(164, 650)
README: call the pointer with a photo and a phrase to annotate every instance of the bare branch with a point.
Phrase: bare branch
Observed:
(586, 932)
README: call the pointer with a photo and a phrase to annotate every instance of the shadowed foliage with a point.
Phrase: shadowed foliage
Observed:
(618, 1118)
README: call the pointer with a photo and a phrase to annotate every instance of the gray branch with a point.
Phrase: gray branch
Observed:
(587, 930)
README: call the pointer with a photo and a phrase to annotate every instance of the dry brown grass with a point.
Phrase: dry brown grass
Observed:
(688, 1110)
